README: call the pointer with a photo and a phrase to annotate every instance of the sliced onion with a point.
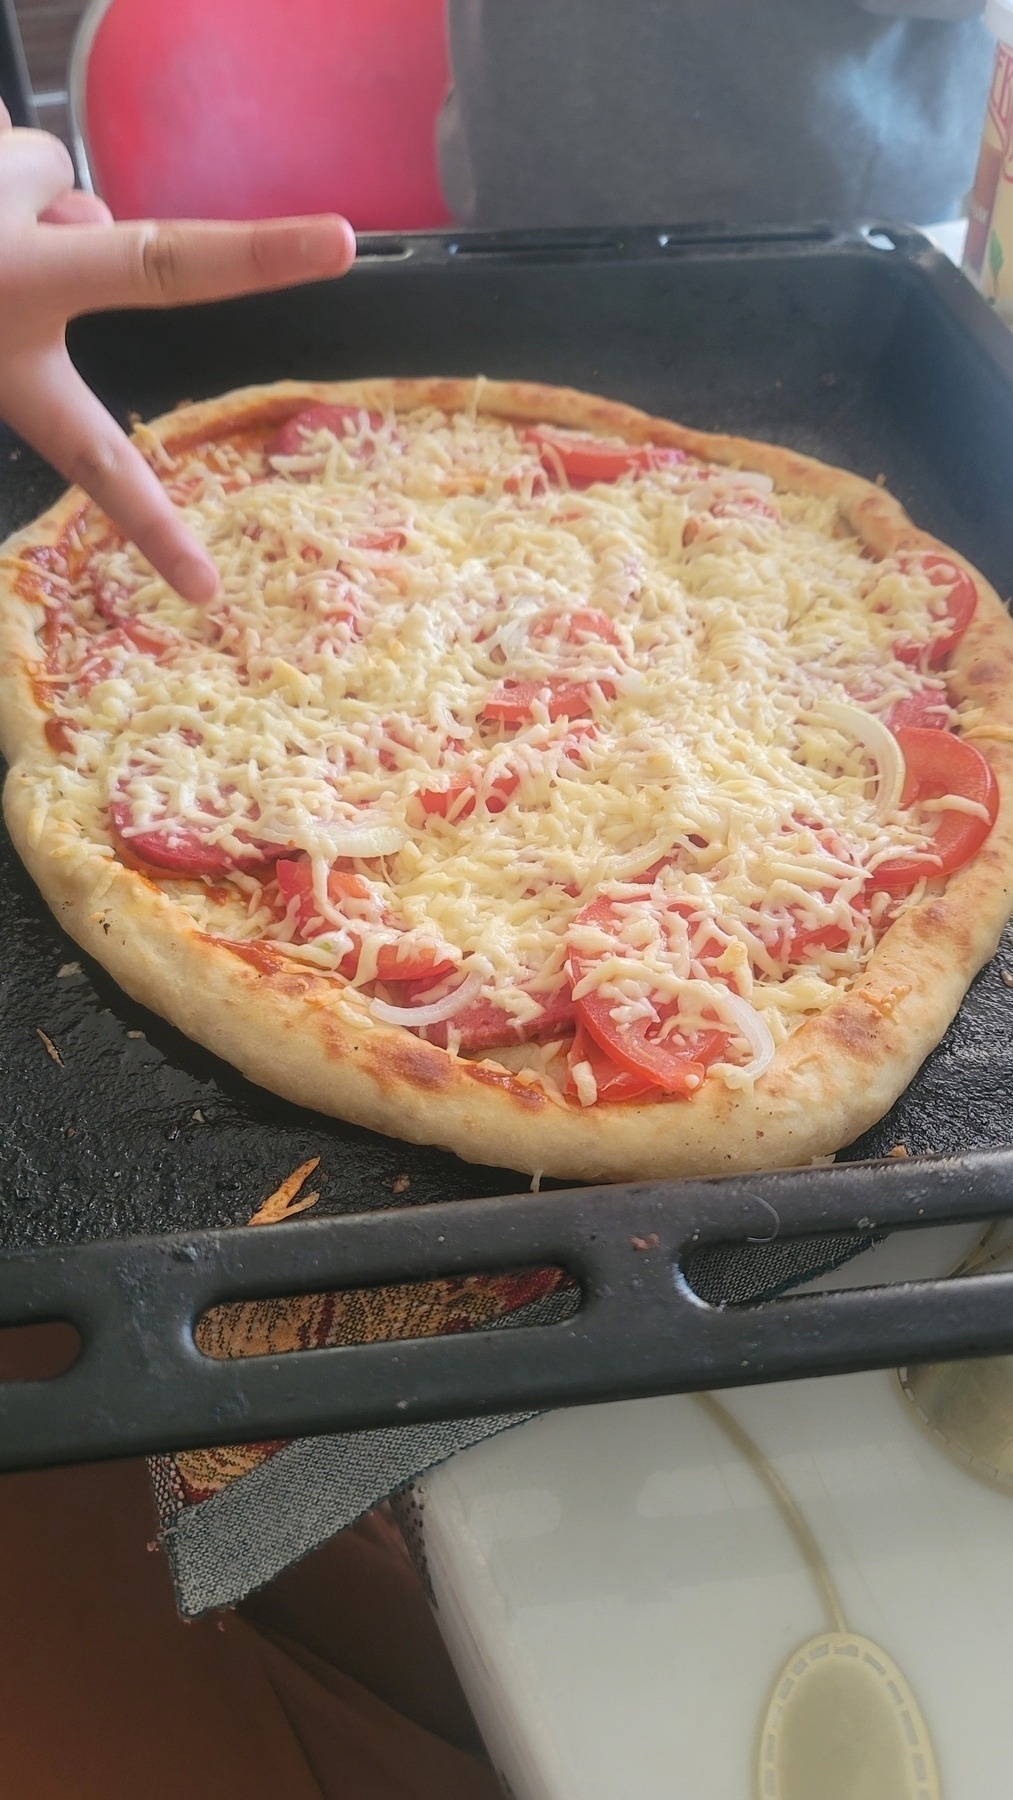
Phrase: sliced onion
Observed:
(749, 479)
(632, 684)
(362, 840)
(511, 636)
(626, 868)
(433, 1014)
(715, 480)
(866, 729)
(513, 641)
(754, 1029)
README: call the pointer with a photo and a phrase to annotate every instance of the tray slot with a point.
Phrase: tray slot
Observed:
(38, 1352)
(382, 249)
(688, 237)
(228, 1332)
(535, 246)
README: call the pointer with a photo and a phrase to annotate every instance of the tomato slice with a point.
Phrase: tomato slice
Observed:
(926, 708)
(484, 1026)
(105, 650)
(803, 938)
(612, 1082)
(109, 602)
(111, 605)
(582, 733)
(585, 625)
(587, 459)
(381, 541)
(676, 1063)
(939, 763)
(98, 662)
(397, 736)
(52, 633)
(290, 439)
(183, 851)
(295, 880)
(795, 940)
(59, 735)
(336, 602)
(512, 701)
(144, 638)
(394, 962)
(960, 604)
(747, 505)
(442, 800)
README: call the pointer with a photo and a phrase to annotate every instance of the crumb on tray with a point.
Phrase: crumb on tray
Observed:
(283, 1203)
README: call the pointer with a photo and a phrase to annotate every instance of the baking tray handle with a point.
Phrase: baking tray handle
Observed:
(140, 1383)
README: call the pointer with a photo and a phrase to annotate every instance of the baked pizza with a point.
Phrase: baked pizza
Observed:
(579, 792)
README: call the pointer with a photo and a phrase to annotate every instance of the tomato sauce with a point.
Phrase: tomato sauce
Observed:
(260, 955)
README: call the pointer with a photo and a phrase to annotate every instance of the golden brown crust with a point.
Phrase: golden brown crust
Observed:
(310, 1038)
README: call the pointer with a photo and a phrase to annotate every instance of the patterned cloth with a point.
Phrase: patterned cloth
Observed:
(233, 1517)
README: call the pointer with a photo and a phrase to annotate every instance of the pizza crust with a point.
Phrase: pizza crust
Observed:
(310, 1038)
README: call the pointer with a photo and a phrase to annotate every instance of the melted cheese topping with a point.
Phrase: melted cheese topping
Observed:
(377, 589)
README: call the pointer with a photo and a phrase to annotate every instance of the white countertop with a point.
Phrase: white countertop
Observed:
(619, 1589)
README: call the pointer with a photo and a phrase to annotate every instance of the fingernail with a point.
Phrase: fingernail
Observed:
(195, 577)
(327, 244)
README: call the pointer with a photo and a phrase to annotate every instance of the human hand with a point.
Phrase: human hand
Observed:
(61, 254)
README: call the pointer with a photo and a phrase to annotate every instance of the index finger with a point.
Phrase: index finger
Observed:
(53, 409)
(150, 264)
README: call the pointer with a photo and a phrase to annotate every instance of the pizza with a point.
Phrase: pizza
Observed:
(582, 793)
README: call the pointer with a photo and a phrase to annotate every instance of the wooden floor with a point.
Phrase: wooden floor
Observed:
(47, 29)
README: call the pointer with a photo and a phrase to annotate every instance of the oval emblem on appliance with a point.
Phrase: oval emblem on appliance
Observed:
(843, 1723)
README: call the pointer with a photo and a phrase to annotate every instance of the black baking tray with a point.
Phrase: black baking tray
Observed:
(130, 1160)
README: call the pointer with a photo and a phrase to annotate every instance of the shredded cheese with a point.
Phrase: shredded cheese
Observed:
(377, 592)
